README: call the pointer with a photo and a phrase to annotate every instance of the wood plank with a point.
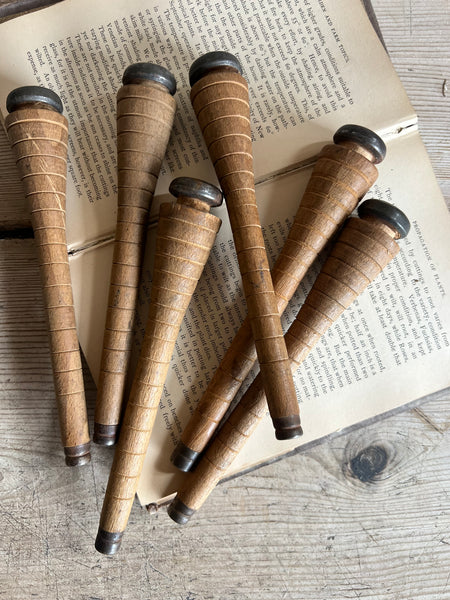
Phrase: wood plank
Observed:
(304, 527)
(416, 34)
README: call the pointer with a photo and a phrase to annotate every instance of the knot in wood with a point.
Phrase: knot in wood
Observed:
(368, 463)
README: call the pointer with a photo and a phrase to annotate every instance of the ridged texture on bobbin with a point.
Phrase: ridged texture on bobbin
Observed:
(184, 240)
(361, 252)
(145, 114)
(220, 101)
(340, 177)
(39, 140)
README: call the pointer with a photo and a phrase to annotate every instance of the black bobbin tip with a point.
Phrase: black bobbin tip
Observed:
(196, 188)
(183, 457)
(107, 542)
(105, 435)
(366, 138)
(212, 60)
(388, 213)
(287, 428)
(179, 512)
(77, 456)
(33, 93)
(150, 72)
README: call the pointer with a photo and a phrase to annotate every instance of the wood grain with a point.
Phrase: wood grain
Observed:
(185, 236)
(303, 528)
(39, 137)
(220, 99)
(145, 114)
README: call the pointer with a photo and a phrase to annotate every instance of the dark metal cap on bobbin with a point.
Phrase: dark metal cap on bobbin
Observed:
(179, 512)
(184, 458)
(387, 213)
(210, 61)
(77, 456)
(105, 435)
(366, 138)
(189, 187)
(29, 94)
(287, 428)
(107, 542)
(146, 71)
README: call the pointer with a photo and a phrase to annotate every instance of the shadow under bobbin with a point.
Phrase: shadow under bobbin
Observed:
(342, 174)
(38, 132)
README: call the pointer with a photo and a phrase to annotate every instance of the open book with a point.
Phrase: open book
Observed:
(311, 67)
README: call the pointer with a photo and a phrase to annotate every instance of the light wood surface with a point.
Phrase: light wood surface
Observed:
(303, 528)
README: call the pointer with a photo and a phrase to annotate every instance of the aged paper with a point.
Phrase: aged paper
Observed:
(308, 72)
(311, 68)
(389, 348)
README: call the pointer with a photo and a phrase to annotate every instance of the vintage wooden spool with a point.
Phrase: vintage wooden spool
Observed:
(38, 133)
(186, 233)
(220, 100)
(343, 173)
(145, 114)
(363, 249)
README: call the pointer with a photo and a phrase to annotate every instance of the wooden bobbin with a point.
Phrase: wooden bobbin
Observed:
(220, 100)
(186, 233)
(38, 133)
(364, 248)
(343, 173)
(145, 114)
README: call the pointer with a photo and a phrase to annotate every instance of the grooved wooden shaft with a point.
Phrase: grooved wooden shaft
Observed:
(363, 249)
(39, 139)
(145, 113)
(341, 176)
(184, 240)
(220, 101)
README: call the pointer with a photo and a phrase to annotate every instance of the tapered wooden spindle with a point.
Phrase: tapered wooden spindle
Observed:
(145, 114)
(38, 133)
(186, 233)
(364, 248)
(220, 99)
(343, 173)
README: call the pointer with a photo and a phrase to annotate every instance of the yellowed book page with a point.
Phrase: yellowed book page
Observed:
(389, 348)
(311, 66)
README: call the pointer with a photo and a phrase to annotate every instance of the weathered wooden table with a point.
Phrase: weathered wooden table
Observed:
(306, 527)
